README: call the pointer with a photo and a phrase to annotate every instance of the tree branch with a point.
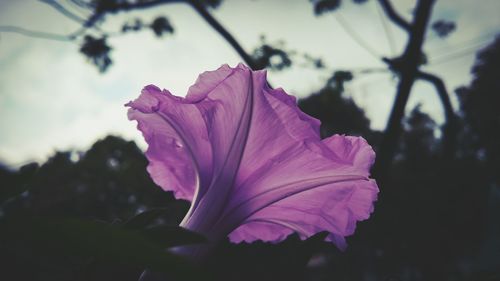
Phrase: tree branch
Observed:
(394, 16)
(407, 66)
(442, 93)
(198, 6)
(450, 127)
(61, 9)
(126, 6)
(41, 34)
(224, 33)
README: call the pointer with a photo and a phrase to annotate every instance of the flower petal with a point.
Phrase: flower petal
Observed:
(334, 208)
(179, 152)
(198, 137)
(228, 125)
(312, 189)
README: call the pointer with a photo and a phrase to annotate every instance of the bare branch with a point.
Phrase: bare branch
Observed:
(126, 6)
(41, 34)
(79, 3)
(197, 5)
(441, 90)
(224, 33)
(450, 129)
(61, 9)
(394, 16)
(407, 66)
(202, 11)
(369, 70)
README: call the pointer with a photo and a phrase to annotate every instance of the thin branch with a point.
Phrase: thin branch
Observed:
(407, 66)
(441, 90)
(202, 11)
(371, 70)
(450, 129)
(394, 16)
(454, 54)
(126, 6)
(80, 4)
(61, 9)
(41, 34)
(387, 30)
(197, 5)
(224, 33)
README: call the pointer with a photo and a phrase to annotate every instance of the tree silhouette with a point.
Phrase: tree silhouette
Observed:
(338, 115)
(479, 106)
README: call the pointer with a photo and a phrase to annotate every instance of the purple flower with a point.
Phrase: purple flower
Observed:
(252, 164)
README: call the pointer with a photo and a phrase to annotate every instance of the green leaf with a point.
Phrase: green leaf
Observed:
(145, 218)
(148, 217)
(166, 235)
(170, 236)
(89, 240)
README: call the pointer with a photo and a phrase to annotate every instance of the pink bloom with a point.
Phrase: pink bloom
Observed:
(251, 163)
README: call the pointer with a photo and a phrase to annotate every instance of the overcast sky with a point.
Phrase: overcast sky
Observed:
(52, 99)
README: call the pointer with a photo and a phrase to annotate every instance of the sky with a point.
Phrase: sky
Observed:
(53, 99)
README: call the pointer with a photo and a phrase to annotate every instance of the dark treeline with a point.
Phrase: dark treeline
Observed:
(435, 218)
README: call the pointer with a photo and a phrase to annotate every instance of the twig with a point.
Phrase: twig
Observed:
(60, 8)
(224, 33)
(43, 35)
(450, 129)
(126, 6)
(394, 16)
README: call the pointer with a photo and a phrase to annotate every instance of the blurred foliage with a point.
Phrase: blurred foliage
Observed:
(479, 106)
(338, 114)
(272, 56)
(443, 28)
(135, 25)
(96, 47)
(97, 51)
(101, 191)
(276, 56)
(75, 245)
(160, 26)
(324, 6)
(113, 6)
(315, 62)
